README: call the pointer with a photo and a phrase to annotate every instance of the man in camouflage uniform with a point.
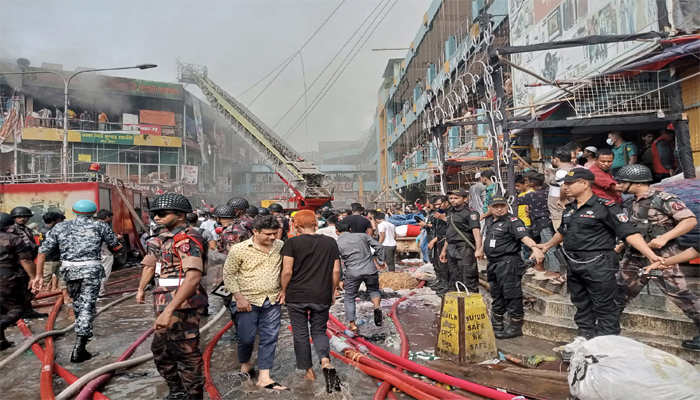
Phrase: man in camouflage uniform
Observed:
(80, 241)
(177, 257)
(278, 211)
(233, 231)
(660, 217)
(21, 217)
(241, 206)
(15, 264)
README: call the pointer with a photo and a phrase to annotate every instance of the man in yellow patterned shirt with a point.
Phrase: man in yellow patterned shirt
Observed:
(252, 273)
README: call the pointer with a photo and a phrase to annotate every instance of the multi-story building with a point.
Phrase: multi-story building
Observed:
(142, 138)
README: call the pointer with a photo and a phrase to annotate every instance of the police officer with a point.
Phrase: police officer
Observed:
(278, 211)
(177, 257)
(660, 218)
(506, 267)
(21, 217)
(16, 263)
(241, 206)
(80, 242)
(232, 231)
(463, 242)
(588, 230)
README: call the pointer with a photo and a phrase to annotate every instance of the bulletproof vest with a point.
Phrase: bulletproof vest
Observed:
(646, 228)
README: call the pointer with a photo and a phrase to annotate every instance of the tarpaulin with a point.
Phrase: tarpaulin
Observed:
(658, 61)
(157, 117)
(582, 41)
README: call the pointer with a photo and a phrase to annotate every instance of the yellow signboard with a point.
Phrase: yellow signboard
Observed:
(85, 157)
(56, 135)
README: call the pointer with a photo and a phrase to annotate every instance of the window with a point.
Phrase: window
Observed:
(105, 199)
(149, 174)
(149, 157)
(168, 172)
(129, 157)
(105, 155)
(168, 156)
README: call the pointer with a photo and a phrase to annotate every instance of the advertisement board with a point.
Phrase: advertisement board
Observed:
(189, 174)
(542, 21)
(200, 129)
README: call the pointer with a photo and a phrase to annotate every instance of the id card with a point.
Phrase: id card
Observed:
(158, 266)
(492, 243)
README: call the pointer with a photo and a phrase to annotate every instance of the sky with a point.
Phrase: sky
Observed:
(239, 41)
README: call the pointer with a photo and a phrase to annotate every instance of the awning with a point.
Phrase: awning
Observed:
(660, 60)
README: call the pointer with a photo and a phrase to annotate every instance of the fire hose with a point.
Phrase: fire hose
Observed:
(90, 388)
(53, 294)
(80, 383)
(208, 381)
(46, 378)
(430, 373)
(385, 386)
(29, 342)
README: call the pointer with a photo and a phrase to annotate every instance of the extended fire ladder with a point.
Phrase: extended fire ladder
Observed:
(311, 187)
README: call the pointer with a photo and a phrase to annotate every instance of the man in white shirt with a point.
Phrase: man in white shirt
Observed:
(107, 256)
(387, 237)
(329, 230)
(210, 225)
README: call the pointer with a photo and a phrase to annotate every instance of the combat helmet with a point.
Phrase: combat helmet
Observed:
(263, 211)
(635, 173)
(252, 211)
(6, 220)
(238, 203)
(171, 201)
(224, 211)
(84, 207)
(21, 211)
(276, 207)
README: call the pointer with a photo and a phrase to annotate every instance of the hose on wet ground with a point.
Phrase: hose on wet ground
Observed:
(54, 294)
(80, 383)
(208, 351)
(430, 373)
(60, 371)
(46, 378)
(385, 387)
(90, 388)
(29, 342)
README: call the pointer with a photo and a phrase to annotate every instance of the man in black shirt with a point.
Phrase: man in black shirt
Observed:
(436, 228)
(506, 267)
(358, 223)
(589, 229)
(463, 242)
(310, 276)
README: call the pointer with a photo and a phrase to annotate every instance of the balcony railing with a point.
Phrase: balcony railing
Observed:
(88, 125)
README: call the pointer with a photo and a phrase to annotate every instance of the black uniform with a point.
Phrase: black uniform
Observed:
(438, 229)
(460, 252)
(13, 280)
(589, 240)
(505, 268)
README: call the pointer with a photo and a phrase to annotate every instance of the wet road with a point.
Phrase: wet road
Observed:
(118, 327)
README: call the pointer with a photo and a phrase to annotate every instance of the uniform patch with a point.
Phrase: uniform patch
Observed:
(587, 216)
(473, 217)
(184, 248)
(514, 219)
(521, 229)
(570, 213)
(622, 217)
(677, 206)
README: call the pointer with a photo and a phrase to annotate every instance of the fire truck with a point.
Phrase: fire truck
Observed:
(45, 193)
(309, 188)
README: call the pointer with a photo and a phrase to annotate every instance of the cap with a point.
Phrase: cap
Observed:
(498, 200)
(578, 173)
(592, 149)
(459, 192)
(477, 175)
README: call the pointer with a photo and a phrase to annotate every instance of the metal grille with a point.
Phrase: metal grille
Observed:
(620, 95)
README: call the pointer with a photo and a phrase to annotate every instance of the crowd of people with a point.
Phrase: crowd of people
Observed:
(54, 119)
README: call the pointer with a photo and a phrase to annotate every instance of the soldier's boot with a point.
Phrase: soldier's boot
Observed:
(176, 392)
(4, 343)
(513, 330)
(80, 354)
(497, 323)
(444, 277)
(32, 314)
(694, 343)
(196, 393)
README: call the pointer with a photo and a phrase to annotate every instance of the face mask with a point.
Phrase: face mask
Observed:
(609, 142)
(579, 154)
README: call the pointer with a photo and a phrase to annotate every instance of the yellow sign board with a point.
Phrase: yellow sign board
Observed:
(85, 157)
(56, 135)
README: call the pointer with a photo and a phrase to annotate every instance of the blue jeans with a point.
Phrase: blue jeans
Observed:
(551, 262)
(264, 321)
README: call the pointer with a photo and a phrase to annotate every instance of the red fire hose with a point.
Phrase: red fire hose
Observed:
(53, 294)
(46, 379)
(430, 373)
(90, 388)
(39, 352)
(208, 382)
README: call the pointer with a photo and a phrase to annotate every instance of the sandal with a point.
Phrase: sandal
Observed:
(274, 385)
(332, 380)
(559, 280)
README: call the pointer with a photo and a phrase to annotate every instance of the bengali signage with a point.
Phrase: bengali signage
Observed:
(190, 174)
(127, 138)
(144, 129)
(200, 129)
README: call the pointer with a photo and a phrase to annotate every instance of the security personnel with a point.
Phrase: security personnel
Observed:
(252, 212)
(660, 218)
(232, 231)
(21, 217)
(436, 228)
(278, 211)
(178, 258)
(262, 211)
(463, 242)
(588, 230)
(506, 267)
(80, 242)
(15, 263)
(241, 206)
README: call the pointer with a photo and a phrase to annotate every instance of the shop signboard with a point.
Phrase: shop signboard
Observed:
(189, 174)
(199, 128)
(124, 137)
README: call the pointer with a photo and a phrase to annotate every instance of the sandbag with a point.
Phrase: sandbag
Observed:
(425, 273)
(620, 368)
(397, 281)
(465, 334)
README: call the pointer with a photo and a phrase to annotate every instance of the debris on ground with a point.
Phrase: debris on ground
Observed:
(397, 281)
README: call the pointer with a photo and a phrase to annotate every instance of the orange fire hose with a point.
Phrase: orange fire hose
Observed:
(46, 379)
(208, 382)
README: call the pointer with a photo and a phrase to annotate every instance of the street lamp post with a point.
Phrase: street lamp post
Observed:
(66, 82)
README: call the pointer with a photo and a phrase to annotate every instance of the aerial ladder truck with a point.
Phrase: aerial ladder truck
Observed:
(310, 187)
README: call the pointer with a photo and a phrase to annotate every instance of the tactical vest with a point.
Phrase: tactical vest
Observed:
(646, 228)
